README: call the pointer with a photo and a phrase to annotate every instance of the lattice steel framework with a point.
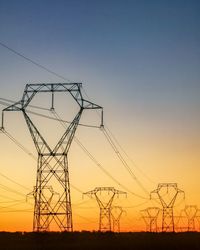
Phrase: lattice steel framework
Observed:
(198, 219)
(191, 213)
(116, 214)
(52, 162)
(105, 206)
(167, 194)
(150, 216)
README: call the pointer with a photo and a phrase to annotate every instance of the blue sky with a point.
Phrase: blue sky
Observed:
(148, 46)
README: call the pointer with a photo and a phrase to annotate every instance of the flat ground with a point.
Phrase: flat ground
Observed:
(95, 240)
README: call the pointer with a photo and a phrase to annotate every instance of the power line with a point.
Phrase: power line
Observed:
(97, 163)
(17, 211)
(11, 190)
(123, 160)
(32, 106)
(31, 155)
(122, 149)
(20, 185)
(19, 144)
(64, 78)
(11, 201)
(58, 75)
(33, 62)
(45, 116)
(83, 148)
(13, 205)
(117, 151)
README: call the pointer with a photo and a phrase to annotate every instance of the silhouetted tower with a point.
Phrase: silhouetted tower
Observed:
(116, 214)
(167, 194)
(150, 216)
(198, 219)
(52, 166)
(179, 222)
(105, 204)
(191, 213)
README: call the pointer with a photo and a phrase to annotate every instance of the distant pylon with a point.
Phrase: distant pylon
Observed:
(179, 222)
(150, 216)
(52, 164)
(105, 205)
(116, 214)
(167, 194)
(198, 219)
(191, 213)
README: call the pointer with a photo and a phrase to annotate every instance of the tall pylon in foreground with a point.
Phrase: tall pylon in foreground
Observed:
(116, 214)
(105, 204)
(167, 194)
(150, 216)
(191, 213)
(52, 164)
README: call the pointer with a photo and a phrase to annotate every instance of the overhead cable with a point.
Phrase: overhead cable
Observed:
(33, 62)
(97, 163)
(123, 160)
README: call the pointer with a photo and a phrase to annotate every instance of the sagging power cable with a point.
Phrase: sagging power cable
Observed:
(33, 62)
(111, 142)
(96, 162)
(20, 185)
(128, 157)
(42, 115)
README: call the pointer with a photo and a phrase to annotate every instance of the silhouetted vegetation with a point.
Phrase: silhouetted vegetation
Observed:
(96, 240)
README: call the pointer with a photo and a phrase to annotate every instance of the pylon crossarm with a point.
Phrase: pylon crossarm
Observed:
(14, 107)
(119, 192)
(90, 193)
(73, 88)
(90, 105)
(153, 192)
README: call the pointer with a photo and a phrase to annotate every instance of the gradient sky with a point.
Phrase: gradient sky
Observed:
(140, 61)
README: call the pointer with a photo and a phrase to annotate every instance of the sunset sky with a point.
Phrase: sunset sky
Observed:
(140, 61)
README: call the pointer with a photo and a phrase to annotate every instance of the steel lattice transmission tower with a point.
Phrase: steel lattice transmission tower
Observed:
(116, 214)
(105, 205)
(150, 216)
(52, 162)
(167, 194)
(198, 219)
(191, 213)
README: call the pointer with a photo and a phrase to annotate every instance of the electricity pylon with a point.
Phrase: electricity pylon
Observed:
(198, 219)
(150, 216)
(116, 214)
(52, 165)
(167, 194)
(105, 204)
(179, 222)
(191, 213)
